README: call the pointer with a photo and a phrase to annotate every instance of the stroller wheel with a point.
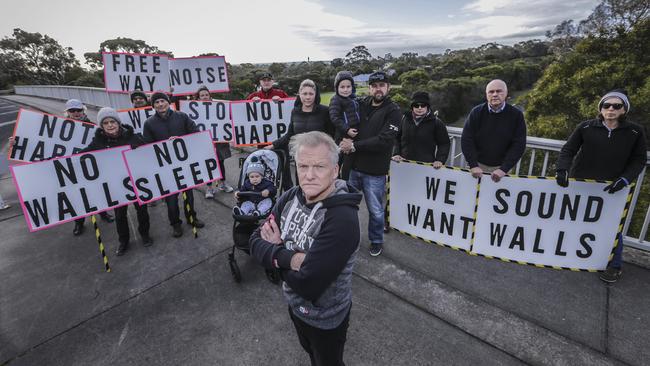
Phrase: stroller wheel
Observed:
(234, 270)
(273, 276)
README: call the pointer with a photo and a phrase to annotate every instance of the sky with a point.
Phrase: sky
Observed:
(282, 31)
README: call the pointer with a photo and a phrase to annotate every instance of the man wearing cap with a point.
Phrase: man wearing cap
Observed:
(139, 99)
(113, 133)
(369, 154)
(267, 90)
(166, 123)
(494, 135)
(605, 148)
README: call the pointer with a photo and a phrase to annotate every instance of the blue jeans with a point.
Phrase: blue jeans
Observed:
(373, 187)
(617, 261)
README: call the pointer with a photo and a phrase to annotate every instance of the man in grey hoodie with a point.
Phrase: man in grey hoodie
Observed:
(312, 236)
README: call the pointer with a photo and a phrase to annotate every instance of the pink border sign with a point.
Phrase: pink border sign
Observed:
(227, 90)
(233, 121)
(134, 54)
(22, 201)
(135, 188)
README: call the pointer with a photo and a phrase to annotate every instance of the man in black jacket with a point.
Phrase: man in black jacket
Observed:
(113, 133)
(494, 136)
(312, 236)
(166, 123)
(369, 154)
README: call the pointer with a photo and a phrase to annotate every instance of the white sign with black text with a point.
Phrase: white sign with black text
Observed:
(125, 72)
(188, 74)
(262, 122)
(213, 116)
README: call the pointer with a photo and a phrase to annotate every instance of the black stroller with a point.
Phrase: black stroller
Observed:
(244, 225)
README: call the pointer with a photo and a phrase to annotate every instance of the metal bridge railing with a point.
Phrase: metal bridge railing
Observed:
(92, 96)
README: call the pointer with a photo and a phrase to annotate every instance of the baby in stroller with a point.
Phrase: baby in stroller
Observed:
(259, 203)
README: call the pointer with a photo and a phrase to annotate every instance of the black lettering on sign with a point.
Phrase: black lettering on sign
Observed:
(20, 147)
(180, 149)
(222, 75)
(89, 166)
(558, 246)
(499, 194)
(267, 129)
(255, 138)
(143, 63)
(518, 239)
(65, 207)
(449, 192)
(432, 188)
(585, 244)
(125, 82)
(87, 128)
(156, 64)
(428, 220)
(591, 200)
(187, 76)
(47, 125)
(126, 182)
(198, 75)
(178, 177)
(266, 110)
(497, 234)
(67, 170)
(84, 197)
(211, 165)
(129, 63)
(447, 224)
(161, 189)
(116, 61)
(221, 110)
(227, 129)
(175, 77)
(571, 207)
(67, 130)
(413, 214)
(194, 114)
(144, 193)
(521, 208)
(39, 151)
(279, 103)
(162, 153)
(538, 237)
(107, 193)
(210, 72)
(59, 150)
(251, 111)
(37, 211)
(466, 222)
(551, 205)
(282, 128)
(196, 173)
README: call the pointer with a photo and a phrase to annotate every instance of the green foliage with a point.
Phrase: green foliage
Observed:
(32, 58)
(120, 44)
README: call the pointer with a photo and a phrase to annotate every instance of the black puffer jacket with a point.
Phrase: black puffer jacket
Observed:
(344, 111)
(316, 120)
(602, 155)
(175, 123)
(126, 137)
(427, 141)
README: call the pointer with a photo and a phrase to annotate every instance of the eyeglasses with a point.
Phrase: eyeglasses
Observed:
(419, 105)
(75, 110)
(616, 106)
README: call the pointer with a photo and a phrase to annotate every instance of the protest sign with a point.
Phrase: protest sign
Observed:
(534, 221)
(432, 204)
(125, 72)
(59, 190)
(166, 167)
(187, 74)
(256, 123)
(40, 136)
(213, 116)
(135, 117)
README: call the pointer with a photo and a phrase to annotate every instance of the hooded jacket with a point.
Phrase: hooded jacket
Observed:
(175, 123)
(376, 138)
(426, 141)
(320, 293)
(602, 155)
(316, 120)
(344, 111)
(126, 137)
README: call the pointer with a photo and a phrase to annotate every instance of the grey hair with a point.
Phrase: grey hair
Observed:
(307, 83)
(314, 139)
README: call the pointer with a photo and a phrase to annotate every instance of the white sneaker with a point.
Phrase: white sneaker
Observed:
(225, 187)
(209, 193)
(5, 206)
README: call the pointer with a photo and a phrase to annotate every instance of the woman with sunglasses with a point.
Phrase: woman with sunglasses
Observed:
(423, 136)
(605, 148)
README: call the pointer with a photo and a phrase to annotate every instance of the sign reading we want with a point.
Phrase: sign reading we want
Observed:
(125, 72)
(525, 220)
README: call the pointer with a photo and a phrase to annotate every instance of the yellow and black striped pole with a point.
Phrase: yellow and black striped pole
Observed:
(188, 213)
(98, 236)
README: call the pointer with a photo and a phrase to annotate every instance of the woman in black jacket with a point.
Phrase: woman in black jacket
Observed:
(605, 148)
(307, 115)
(113, 133)
(422, 136)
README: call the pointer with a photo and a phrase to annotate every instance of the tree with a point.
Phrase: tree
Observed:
(358, 54)
(615, 17)
(119, 44)
(34, 58)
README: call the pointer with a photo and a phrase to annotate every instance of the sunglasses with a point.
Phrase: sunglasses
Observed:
(616, 106)
(74, 110)
(419, 105)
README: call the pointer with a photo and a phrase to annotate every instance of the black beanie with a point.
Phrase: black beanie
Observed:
(159, 95)
(420, 97)
(138, 93)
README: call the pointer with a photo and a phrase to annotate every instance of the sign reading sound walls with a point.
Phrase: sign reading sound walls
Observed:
(536, 221)
(40, 136)
(433, 204)
(187, 74)
(262, 122)
(135, 117)
(213, 116)
(59, 190)
(526, 220)
(125, 72)
(167, 167)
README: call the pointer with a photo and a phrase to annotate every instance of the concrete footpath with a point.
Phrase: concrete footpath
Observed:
(175, 303)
